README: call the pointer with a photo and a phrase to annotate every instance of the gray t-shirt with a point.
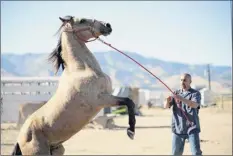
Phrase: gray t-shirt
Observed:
(180, 125)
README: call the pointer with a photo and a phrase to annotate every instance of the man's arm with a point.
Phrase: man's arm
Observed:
(168, 102)
(194, 102)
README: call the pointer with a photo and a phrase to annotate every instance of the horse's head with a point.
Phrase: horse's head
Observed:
(80, 29)
(86, 28)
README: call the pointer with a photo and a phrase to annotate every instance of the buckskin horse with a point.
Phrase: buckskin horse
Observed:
(83, 90)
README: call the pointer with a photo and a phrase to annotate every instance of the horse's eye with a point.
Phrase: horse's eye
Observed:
(82, 21)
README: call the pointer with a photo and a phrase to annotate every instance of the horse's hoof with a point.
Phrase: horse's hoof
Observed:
(130, 134)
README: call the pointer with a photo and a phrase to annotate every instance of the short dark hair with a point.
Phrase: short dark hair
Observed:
(189, 75)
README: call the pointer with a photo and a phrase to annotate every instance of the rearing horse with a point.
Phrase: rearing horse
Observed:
(83, 90)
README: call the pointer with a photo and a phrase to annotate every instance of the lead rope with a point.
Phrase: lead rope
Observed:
(189, 122)
(84, 29)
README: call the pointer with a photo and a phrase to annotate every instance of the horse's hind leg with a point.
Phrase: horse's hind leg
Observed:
(59, 150)
(34, 143)
(36, 148)
(107, 100)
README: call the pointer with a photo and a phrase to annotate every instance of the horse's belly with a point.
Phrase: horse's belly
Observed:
(93, 86)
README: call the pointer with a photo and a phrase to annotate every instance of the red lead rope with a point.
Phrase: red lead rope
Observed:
(191, 123)
(84, 29)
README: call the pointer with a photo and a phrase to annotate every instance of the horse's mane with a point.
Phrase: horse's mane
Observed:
(55, 57)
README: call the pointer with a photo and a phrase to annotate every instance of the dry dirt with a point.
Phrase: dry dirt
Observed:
(153, 136)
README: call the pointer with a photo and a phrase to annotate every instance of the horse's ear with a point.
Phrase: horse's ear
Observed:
(62, 19)
(66, 18)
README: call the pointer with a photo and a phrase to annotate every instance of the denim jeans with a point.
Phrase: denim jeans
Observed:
(178, 142)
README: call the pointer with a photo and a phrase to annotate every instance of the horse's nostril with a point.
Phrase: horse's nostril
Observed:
(108, 25)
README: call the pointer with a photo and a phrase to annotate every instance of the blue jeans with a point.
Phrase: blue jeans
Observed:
(178, 142)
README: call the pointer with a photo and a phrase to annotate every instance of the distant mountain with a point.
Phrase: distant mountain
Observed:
(122, 70)
(6, 74)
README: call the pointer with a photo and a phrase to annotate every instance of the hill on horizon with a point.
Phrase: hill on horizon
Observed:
(123, 71)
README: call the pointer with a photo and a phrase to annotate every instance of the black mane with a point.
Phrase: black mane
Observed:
(55, 57)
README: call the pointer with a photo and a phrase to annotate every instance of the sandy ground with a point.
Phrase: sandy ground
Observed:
(153, 136)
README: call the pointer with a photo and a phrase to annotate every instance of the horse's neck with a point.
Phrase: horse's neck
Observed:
(90, 58)
(78, 57)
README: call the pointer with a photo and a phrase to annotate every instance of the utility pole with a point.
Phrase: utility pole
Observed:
(208, 72)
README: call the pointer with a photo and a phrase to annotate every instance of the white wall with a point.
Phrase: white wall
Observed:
(158, 96)
(144, 96)
(207, 97)
(19, 90)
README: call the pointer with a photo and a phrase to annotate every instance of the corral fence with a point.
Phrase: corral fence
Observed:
(224, 101)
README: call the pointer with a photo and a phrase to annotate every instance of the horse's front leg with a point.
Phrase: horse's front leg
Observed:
(107, 100)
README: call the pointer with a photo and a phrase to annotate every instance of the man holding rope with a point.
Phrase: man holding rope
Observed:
(184, 101)
(185, 120)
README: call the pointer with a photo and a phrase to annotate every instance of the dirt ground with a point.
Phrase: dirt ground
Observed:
(153, 136)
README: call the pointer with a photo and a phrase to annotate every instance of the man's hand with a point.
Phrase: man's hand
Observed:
(188, 102)
(169, 99)
(167, 102)
(178, 98)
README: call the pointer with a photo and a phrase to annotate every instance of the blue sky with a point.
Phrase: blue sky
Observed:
(183, 31)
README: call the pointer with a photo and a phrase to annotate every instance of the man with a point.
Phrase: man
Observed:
(185, 124)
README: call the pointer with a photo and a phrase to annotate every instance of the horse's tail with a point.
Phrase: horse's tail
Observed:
(17, 150)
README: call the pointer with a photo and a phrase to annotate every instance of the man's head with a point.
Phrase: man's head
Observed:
(185, 81)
